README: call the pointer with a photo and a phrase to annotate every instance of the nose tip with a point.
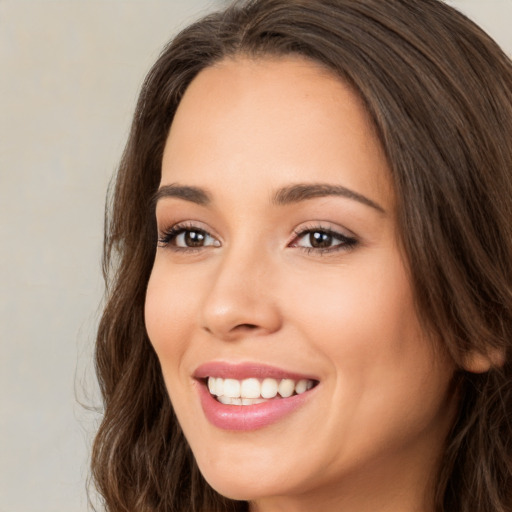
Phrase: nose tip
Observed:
(240, 319)
(238, 307)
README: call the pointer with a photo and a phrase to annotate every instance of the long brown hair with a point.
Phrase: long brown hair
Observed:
(439, 91)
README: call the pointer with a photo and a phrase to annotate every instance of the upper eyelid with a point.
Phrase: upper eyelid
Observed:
(186, 225)
(198, 225)
(324, 226)
(173, 230)
(334, 234)
(298, 232)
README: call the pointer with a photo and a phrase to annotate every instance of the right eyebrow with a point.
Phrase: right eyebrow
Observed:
(193, 194)
(304, 191)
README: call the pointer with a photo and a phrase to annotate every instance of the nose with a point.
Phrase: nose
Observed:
(241, 301)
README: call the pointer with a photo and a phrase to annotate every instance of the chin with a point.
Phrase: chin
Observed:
(243, 482)
(238, 491)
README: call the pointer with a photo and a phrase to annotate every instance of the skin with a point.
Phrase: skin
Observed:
(371, 438)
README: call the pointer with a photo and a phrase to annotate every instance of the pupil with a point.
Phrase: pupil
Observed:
(194, 238)
(320, 240)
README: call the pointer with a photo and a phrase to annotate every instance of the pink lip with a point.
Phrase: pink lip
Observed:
(247, 417)
(241, 371)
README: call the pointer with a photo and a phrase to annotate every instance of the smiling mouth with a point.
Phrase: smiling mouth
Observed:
(253, 391)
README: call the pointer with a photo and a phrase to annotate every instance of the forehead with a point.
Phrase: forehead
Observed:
(278, 119)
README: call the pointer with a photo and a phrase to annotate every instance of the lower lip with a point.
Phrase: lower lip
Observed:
(249, 417)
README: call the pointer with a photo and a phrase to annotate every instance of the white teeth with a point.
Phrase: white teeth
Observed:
(252, 401)
(250, 388)
(251, 391)
(301, 386)
(231, 388)
(269, 388)
(219, 386)
(226, 400)
(286, 388)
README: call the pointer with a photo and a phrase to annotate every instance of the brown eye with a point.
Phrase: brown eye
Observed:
(320, 239)
(194, 238)
(182, 238)
(323, 240)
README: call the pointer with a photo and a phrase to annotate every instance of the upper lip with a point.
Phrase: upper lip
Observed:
(246, 370)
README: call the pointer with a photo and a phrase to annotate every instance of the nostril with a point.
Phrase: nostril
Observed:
(248, 327)
(237, 328)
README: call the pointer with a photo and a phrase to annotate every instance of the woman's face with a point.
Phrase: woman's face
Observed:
(279, 270)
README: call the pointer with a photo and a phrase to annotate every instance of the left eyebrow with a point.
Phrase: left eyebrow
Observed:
(305, 191)
(193, 194)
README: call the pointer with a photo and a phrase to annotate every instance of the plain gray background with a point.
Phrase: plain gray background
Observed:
(69, 76)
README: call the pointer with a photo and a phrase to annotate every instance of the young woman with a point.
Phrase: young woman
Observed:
(310, 261)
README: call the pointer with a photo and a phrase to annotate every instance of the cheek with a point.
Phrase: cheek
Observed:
(169, 311)
(357, 307)
(390, 380)
(363, 320)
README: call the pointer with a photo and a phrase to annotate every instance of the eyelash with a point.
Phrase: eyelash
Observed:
(346, 243)
(169, 236)
(167, 239)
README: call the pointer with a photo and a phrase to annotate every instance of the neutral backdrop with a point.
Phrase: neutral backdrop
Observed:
(69, 76)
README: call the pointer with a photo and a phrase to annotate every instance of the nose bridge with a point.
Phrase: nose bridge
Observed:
(241, 297)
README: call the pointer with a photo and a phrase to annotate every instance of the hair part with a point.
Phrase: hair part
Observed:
(439, 92)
